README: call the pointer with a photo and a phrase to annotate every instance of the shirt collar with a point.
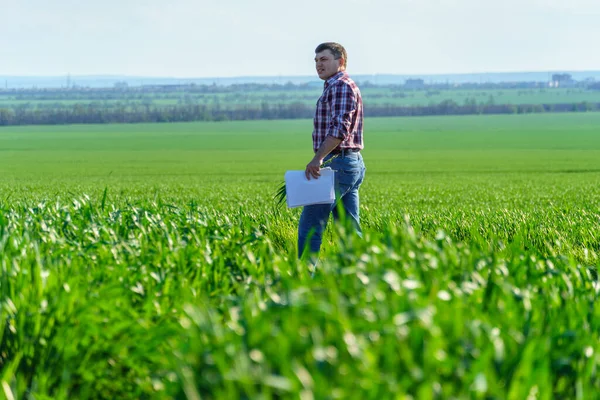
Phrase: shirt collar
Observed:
(334, 78)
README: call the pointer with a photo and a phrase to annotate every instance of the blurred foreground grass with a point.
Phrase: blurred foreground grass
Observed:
(158, 301)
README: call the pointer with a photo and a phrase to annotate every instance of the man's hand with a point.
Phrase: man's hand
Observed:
(314, 166)
(313, 169)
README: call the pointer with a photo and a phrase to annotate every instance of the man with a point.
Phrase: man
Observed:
(337, 136)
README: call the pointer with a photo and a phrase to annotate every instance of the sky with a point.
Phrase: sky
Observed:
(228, 38)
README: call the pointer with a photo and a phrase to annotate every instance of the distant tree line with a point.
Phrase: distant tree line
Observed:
(594, 86)
(95, 114)
(121, 90)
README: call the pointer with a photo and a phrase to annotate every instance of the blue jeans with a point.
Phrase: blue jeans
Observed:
(349, 173)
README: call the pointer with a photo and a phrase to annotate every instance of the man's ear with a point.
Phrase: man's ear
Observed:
(341, 62)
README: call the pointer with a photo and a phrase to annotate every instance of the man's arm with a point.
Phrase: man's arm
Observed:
(342, 108)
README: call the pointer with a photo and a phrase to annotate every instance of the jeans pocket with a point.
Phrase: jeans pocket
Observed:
(345, 180)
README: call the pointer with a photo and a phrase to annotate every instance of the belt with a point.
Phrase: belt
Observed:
(342, 151)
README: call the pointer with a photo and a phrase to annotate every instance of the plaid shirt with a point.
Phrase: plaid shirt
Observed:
(339, 113)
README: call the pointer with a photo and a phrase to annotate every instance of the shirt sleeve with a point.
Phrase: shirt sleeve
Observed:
(343, 107)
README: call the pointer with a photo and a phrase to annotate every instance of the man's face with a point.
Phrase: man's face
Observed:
(326, 64)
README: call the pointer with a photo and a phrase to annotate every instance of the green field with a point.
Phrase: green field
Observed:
(150, 261)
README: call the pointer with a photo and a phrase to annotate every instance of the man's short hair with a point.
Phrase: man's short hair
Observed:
(336, 49)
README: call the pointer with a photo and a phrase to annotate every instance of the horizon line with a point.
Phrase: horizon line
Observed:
(99, 75)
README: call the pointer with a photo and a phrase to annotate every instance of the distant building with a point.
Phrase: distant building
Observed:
(414, 84)
(121, 85)
(562, 80)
